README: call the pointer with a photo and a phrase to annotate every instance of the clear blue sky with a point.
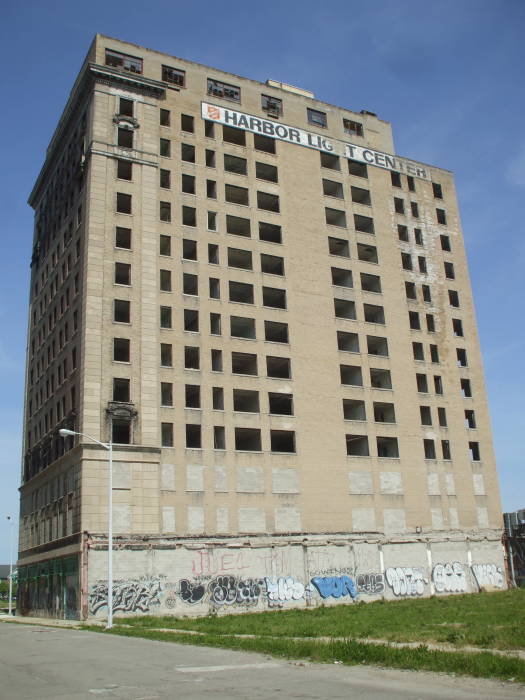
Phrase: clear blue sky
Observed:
(448, 75)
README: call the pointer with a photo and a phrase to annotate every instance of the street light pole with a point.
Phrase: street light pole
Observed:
(64, 432)
(11, 527)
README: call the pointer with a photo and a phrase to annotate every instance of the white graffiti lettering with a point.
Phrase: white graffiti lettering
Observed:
(449, 578)
(128, 596)
(280, 590)
(488, 575)
(370, 584)
(405, 581)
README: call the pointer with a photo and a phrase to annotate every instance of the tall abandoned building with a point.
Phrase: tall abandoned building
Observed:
(269, 315)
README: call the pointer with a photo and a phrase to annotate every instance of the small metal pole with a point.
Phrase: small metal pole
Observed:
(110, 537)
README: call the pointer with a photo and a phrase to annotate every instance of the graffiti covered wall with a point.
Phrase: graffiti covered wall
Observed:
(182, 578)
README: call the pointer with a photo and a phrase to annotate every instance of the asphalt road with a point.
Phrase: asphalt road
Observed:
(43, 662)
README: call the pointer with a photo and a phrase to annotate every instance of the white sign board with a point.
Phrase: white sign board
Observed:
(291, 134)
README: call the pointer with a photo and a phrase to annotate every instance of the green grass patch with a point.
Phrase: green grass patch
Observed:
(494, 620)
(350, 652)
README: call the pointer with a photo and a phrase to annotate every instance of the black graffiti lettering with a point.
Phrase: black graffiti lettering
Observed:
(191, 593)
(128, 596)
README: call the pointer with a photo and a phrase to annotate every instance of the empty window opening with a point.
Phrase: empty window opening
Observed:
(187, 123)
(457, 327)
(402, 232)
(422, 264)
(280, 404)
(263, 143)
(357, 168)
(374, 314)
(191, 320)
(241, 327)
(209, 157)
(431, 324)
(125, 138)
(338, 246)
(380, 378)
(216, 360)
(395, 178)
(377, 345)
(351, 375)
(445, 243)
(345, 308)
(193, 436)
(426, 415)
(246, 401)
(165, 280)
(384, 413)
(442, 417)
(164, 117)
(236, 195)
(271, 233)
(410, 290)
(241, 292)
(187, 152)
(429, 448)
(123, 237)
(453, 298)
(235, 164)
(231, 135)
(470, 419)
(125, 107)
(213, 253)
(466, 388)
(166, 432)
(406, 261)
(414, 322)
(173, 76)
(328, 160)
(121, 390)
(244, 363)
(218, 398)
(188, 184)
(214, 288)
(272, 264)
(120, 432)
(438, 384)
(387, 447)
(333, 189)
(209, 129)
(121, 351)
(269, 202)
(274, 298)
(192, 393)
(190, 284)
(414, 208)
(348, 342)
(212, 220)
(166, 355)
(357, 446)
(441, 216)
(422, 383)
(341, 277)
(370, 283)
(191, 357)
(219, 437)
(354, 409)
(445, 449)
(461, 354)
(449, 271)
(411, 183)
(418, 236)
(165, 317)
(241, 259)
(367, 253)
(248, 439)
(215, 324)
(399, 205)
(335, 217)
(122, 273)
(165, 148)
(219, 89)
(238, 226)
(189, 216)
(276, 332)
(365, 224)
(282, 440)
(189, 249)
(164, 245)
(166, 394)
(427, 296)
(417, 351)
(434, 354)
(124, 170)
(121, 311)
(278, 367)
(437, 190)
(265, 171)
(474, 451)
(165, 179)
(165, 211)
(352, 127)
(123, 203)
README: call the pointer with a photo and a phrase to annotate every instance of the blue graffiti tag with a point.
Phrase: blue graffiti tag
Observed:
(335, 586)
